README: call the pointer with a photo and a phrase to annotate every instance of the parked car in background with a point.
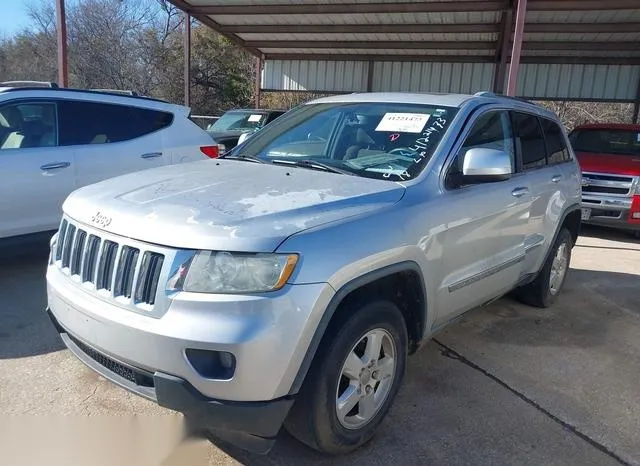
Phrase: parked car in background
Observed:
(55, 140)
(226, 131)
(289, 281)
(609, 156)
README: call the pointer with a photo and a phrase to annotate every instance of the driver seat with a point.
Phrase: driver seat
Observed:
(362, 141)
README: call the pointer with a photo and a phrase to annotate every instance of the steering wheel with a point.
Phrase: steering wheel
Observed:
(402, 151)
(311, 137)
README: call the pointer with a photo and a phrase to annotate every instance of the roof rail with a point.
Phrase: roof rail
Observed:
(29, 84)
(502, 96)
(117, 91)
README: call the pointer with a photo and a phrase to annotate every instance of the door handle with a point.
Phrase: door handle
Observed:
(556, 178)
(519, 192)
(151, 155)
(54, 165)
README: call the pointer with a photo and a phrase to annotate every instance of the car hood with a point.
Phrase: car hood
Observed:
(225, 204)
(609, 163)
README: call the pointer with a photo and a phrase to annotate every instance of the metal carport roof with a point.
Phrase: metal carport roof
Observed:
(570, 49)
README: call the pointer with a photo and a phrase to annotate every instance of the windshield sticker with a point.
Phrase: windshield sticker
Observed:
(403, 122)
(254, 118)
(638, 137)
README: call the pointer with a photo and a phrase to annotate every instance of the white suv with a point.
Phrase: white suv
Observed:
(55, 140)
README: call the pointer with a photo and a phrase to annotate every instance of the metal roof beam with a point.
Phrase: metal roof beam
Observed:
(440, 45)
(364, 44)
(582, 28)
(366, 58)
(187, 8)
(631, 46)
(349, 8)
(455, 59)
(582, 5)
(361, 28)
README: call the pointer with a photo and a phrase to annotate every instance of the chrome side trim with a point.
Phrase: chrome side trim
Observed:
(485, 273)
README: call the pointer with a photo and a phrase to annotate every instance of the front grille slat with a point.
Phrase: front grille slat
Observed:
(61, 237)
(78, 252)
(605, 190)
(149, 276)
(120, 269)
(126, 269)
(68, 244)
(106, 266)
(90, 257)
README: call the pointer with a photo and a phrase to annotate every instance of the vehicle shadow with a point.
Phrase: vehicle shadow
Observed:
(611, 234)
(589, 304)
(434, 421)
(25, 329)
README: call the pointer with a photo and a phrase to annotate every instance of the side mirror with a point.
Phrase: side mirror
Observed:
(483, 165)
(243, 137)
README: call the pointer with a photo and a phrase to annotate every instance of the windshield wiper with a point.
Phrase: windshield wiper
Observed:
(249, 158)
(314, 165)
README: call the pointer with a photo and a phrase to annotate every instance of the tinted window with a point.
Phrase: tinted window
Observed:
(26, 125)
(529, 141)
(98, 123)
(606, 141)
(557, 151)
(272, 116)
(493, 131)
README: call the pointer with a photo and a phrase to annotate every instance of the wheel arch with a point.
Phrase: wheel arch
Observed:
(571, 220)
(415, 317)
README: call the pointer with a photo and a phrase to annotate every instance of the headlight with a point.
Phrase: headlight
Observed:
(226, 272)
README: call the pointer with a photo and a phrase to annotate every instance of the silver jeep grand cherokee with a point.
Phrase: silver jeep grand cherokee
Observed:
(287, 282)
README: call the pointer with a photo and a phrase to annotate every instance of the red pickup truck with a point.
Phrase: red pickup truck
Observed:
(609, 156)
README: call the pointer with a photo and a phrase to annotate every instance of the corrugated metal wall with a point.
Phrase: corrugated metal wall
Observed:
(294, 75)
(606, 82)
(432, 77)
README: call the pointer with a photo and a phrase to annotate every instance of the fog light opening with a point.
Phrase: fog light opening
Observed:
(216, 365)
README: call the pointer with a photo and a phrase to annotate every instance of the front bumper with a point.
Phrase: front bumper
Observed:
(250, 425)
(268, 335)
(614, 212)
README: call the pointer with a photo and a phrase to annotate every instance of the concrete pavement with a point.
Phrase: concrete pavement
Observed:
(506, 385)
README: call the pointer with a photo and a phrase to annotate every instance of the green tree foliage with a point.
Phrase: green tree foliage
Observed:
(135, 45)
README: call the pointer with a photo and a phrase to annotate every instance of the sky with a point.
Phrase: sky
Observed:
(13, 16)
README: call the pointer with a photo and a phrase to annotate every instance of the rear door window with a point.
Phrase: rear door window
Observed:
(100, 123)
(557, 150)
(529, 141)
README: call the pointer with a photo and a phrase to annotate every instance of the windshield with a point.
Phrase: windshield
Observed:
(606, 141)
(377, 140)
(239, 121)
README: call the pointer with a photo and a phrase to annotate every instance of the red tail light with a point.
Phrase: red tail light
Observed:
(213, 152)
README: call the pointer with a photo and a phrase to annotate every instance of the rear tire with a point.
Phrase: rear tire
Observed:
(544, 290)
(359, 369)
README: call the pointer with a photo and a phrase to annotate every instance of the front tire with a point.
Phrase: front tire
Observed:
(352, 381)
(544, 290)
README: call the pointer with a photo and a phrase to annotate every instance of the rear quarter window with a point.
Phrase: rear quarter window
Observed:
(100, 123)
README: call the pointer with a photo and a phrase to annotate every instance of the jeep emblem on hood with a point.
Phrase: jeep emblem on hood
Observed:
(101, 220)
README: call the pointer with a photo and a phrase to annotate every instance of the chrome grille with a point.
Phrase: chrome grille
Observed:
(122, 270)
(602, 183)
